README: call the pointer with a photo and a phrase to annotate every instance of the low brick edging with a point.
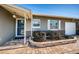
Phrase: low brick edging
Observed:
(40, 44)
(51, 43)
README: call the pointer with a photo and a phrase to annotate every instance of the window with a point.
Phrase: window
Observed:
(53, 24)
(36, 23)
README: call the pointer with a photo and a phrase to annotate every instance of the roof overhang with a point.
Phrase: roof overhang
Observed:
(55, 17)
(17, 10)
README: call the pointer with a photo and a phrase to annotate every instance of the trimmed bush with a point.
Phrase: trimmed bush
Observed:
(38, 36)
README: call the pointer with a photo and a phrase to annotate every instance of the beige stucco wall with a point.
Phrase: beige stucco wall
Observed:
(28, 27)
(7, 25)
(44, 23)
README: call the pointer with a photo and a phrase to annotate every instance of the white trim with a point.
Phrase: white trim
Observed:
(16, 27)
(59, 25)
(38, 26)
(48, 24)
(31, 26)
(25, 21)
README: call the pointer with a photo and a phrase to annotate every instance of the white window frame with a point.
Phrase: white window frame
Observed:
(17, 27)
(36, 26)
(59, 27)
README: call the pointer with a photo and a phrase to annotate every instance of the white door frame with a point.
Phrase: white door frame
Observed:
(16, 27)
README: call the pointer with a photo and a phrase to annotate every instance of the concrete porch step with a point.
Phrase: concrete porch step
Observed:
(14, 42)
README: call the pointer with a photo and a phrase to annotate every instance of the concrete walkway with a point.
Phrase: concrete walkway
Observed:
(60, 49)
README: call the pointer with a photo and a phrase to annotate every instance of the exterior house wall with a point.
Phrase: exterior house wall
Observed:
(44, 26)
(44, 23)
(28, 27)
(7, 26)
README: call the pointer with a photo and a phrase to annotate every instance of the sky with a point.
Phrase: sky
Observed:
(67, 10)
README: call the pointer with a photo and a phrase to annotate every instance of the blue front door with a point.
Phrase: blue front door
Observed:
(20, 28)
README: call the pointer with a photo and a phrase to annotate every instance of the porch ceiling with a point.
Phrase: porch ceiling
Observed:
(17, 10)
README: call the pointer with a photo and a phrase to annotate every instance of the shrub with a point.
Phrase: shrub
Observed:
(38, 36)
(49, 34)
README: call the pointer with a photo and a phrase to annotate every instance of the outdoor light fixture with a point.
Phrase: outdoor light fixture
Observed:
(14, 16)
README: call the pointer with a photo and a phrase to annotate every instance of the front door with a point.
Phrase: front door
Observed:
(20, 28)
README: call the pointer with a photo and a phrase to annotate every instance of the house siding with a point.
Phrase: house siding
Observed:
(44, 24)
(7, 26)
(28, 27)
